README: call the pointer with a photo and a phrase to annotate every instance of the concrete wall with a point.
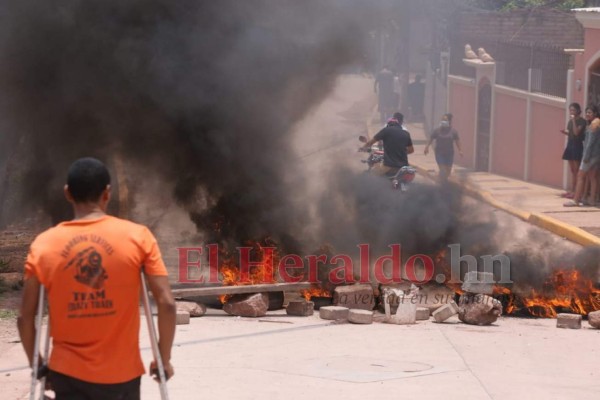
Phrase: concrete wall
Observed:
(508, 134)
(546, 142)
(462, 103)
(525, 139)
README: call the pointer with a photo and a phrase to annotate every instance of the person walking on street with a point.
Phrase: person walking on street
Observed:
(589, 163)
(574, 150)
(90, 269)
(416, 97)
(384, 87)
(445, 138)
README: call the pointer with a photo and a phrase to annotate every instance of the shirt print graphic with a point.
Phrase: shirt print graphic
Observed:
(88, 268)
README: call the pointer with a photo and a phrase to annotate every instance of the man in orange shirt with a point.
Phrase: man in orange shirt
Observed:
(90, 267)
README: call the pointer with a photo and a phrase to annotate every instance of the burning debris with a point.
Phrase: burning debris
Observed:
(564, 291)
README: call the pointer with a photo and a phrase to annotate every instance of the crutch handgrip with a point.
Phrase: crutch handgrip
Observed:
(42, 371)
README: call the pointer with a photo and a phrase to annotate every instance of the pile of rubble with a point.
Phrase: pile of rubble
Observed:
(400, 304)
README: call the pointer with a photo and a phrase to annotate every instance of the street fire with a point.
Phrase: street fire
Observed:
(315, 292)
(563, 291)
(254, 272)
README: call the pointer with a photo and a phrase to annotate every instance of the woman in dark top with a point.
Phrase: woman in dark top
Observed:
(445, 138)
(574, 150)
(590, 161)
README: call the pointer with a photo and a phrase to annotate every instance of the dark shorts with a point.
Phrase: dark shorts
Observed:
(444, 159)
(69, 388)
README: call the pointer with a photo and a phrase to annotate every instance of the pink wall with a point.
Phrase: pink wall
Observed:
(508, 153)
(546, 144)
(592, 46)
(462, 104)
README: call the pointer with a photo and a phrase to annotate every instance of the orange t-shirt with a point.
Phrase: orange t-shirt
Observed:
(91, 271)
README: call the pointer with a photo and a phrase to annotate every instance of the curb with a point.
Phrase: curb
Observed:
(568, 231)
(550, 224)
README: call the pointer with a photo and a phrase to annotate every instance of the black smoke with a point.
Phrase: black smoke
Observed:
(200, 94)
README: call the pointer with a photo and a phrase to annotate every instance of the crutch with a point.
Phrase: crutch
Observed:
(39, 372)
(164, 394)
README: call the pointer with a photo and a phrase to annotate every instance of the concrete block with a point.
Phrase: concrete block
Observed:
(478, 309)
(360, 296)
(363, 317)
(594, 319)
(193, 308)
(334, 313)
(406, 313)
(422, 313)
(300, 308)
(479, 282)
(247, 305)
(182, 318)
(446, 311)
(568, 321)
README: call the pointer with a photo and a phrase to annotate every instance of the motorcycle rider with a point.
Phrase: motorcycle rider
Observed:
(397, 144)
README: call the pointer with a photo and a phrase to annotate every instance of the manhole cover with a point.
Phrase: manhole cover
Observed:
(358, 369)
(367, 365)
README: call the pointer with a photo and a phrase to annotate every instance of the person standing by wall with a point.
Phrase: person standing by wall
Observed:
(590, 161)
(574, 150)
(90, 268)
(445, 138)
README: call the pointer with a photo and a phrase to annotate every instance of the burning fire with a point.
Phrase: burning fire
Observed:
(258, 273)
(563, 291)
(315, 292)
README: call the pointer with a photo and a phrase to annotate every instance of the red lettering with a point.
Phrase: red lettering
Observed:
(283, 266)
(428, 267)
(185, 263)
(346, 270)
(394, 258)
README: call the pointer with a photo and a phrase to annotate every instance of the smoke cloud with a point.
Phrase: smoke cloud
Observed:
(199, 94)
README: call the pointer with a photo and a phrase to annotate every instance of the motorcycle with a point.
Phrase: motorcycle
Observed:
(400, 179)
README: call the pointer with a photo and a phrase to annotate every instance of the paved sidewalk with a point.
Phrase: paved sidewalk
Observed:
(538, 204)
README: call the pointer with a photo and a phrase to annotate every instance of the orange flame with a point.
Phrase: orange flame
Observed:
(261, 272)
(564, 290)
(315, 292)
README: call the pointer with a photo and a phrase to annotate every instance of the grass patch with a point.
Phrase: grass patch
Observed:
(8, 314)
